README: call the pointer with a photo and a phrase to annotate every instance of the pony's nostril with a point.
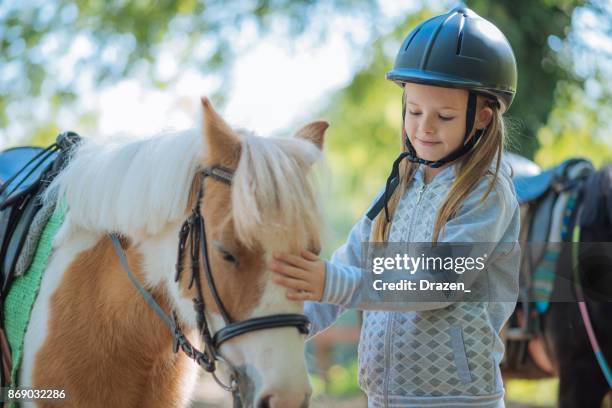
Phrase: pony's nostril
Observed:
(277, 401)
(264, 402)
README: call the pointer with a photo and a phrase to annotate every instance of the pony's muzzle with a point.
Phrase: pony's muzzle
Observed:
(284, 399)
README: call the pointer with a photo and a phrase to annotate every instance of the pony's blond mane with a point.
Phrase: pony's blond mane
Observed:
(138, 187)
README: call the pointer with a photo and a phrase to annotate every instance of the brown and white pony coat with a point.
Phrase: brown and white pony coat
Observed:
(93, 335)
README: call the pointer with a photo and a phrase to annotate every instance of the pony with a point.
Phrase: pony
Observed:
(91, 332)
(564, 342)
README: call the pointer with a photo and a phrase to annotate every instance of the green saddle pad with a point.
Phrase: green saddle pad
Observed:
(24, 290)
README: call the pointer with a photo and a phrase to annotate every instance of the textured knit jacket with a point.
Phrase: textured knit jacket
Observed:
(427, 354)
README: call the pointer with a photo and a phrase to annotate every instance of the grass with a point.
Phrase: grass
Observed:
(536, 393)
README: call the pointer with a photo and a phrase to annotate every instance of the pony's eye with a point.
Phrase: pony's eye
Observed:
(228, 257)
(225, 254)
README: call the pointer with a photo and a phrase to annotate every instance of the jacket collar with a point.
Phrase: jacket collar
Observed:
(445, 175)
(448, 173)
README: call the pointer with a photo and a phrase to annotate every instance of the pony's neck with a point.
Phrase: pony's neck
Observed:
(158, 258)
(102, 333)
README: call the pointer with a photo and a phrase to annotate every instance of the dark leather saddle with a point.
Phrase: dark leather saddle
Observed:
(541, 191)
(21, 169)
(530, 188)
(538, 195)
(24, 173)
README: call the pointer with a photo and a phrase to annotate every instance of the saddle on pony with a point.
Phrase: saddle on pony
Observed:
(540, 193)
(548, 208)
(25, 172)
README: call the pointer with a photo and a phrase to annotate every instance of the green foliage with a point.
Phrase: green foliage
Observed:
(341, 381)
(125, 38)
(44, 136)
(574, 129)
(540, 393)
(529, 25)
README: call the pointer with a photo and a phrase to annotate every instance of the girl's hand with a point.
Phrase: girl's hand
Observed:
(304, 275)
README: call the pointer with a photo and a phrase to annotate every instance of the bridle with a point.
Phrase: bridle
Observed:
(194, 229)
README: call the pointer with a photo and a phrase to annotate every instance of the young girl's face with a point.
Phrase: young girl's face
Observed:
(435, 119)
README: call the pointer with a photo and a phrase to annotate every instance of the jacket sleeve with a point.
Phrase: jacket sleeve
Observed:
(323, 315)
(492, 221)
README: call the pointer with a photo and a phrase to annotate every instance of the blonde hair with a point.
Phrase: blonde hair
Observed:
(274, 193)
(471, 168)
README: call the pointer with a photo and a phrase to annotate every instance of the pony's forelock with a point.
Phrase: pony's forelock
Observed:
(274, 191)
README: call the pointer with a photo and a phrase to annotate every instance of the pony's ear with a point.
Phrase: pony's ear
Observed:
(314, 132)
(219, 137)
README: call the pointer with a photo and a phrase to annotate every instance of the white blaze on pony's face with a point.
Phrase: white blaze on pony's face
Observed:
(271, 206)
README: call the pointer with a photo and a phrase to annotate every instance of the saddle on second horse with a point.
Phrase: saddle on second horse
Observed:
(545, 207)
(540, 192)
(547, 200)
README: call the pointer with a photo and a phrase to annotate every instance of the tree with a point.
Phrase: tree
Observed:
(48, 48)
(529, 26)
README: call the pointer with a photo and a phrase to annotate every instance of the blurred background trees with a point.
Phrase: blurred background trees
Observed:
(55, 53)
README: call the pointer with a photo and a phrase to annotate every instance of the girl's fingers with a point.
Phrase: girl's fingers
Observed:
(300, 296)
(288, 270)
(293, 260)
(291, 283)
(310, 255)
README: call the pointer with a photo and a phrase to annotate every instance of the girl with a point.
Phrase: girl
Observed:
(458, 73)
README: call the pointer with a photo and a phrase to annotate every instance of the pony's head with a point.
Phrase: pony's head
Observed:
(146, 189)
(270, 206)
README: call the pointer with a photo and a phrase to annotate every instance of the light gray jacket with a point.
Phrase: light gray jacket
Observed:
(427, 354)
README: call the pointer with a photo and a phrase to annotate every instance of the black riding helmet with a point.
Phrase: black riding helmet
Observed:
(458, 49)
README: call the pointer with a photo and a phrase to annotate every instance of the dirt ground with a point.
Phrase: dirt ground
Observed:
(209, 395)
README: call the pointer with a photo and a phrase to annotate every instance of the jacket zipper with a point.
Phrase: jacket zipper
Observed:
(416, 210)
(389, 335)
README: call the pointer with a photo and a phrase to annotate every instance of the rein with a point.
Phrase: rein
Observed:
(584, 311)
(194, 229)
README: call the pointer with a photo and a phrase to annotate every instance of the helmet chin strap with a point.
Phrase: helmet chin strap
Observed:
(411, 154)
